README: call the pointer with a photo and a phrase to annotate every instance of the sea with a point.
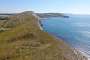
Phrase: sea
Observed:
(74, 30)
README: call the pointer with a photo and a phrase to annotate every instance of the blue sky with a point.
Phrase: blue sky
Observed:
(64, 6)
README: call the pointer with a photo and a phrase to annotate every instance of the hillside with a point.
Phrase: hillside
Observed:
(22, 39)
(47, 15)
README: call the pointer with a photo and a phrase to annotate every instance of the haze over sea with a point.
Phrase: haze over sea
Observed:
(74, 30)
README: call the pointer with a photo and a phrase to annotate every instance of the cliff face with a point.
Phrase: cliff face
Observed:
(25, 41)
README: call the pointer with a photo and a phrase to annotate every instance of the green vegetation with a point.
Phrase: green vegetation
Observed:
(25, 41)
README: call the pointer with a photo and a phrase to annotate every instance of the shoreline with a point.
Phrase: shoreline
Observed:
(81, 55)
(84, 54)
(78, 53)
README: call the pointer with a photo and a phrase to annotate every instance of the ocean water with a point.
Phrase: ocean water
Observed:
(74, 30)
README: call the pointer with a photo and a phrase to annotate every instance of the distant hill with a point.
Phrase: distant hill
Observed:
(46, 15)
(6, 14)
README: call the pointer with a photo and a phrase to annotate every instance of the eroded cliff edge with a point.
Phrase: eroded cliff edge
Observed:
(24, 40)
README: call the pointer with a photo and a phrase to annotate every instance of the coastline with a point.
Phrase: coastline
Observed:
(28, 42)
(80, 55)
(81, 52)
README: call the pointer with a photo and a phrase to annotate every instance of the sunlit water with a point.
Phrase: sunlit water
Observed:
(74, 30)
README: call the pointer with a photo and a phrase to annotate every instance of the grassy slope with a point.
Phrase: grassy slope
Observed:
(25, 41)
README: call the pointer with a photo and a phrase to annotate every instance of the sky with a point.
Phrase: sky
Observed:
(57, 6)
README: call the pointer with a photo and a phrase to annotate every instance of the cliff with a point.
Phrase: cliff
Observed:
(25, 41)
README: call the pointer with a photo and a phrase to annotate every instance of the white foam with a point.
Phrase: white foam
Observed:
(82, 53)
